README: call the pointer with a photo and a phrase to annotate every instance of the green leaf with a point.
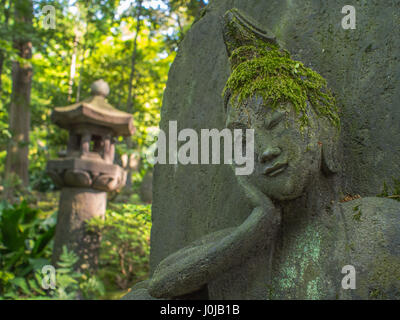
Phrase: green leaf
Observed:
(43, 241)
(22, 284)
(34, 286)
(38, 263)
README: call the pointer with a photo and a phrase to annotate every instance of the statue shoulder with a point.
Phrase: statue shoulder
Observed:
(373, 245)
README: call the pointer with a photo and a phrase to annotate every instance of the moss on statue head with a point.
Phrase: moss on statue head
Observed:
(264, 70)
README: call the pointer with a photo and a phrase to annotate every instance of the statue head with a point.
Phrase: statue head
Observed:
(293, 114)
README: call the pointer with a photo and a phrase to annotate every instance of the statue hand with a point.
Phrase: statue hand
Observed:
(256, 197)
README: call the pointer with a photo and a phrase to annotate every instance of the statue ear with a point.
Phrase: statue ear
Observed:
(329, 160)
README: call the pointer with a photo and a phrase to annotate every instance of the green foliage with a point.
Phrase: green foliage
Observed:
(391, 192)
(91, 287)
(24, 238)
(24, 246)
(266, 71)
(66, 282)
(69, 284)
(23, 288)
(125, 245)
(40, 152)
(105, 32)
(194, 7)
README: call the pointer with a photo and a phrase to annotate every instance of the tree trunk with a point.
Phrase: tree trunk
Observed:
(73, 66)
(78, 90)
(85, 41)
(18, 147)
(129, 107)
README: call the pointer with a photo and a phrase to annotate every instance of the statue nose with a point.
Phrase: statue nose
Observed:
(270, 154)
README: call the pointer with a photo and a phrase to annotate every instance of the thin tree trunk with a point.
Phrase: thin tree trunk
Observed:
(120, 91)
(129, 107)
(181, 32)
(18, 147)
(73, 66)
(78, 90)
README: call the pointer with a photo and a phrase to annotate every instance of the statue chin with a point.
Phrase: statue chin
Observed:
(283, 191)
(285, 186)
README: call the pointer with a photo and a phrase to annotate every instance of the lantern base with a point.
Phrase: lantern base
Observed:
(76, 206)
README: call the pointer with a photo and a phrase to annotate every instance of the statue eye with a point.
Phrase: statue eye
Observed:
(276, 118)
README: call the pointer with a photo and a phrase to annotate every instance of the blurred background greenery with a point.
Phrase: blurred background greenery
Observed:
(129, 44)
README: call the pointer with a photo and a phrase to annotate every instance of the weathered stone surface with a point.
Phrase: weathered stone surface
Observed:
(146, 188)
(100, 88)
(139, 292)
(95, 110)
(362, 69)
(373, 231)
(311, 251)
(77, 205)
(81, 173)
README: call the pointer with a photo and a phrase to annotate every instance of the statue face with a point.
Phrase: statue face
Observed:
(286, 160)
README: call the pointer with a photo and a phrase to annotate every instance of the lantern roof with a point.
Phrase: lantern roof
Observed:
(95, 111)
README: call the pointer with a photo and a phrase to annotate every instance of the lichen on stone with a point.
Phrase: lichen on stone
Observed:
(265, 70)
(299, 273)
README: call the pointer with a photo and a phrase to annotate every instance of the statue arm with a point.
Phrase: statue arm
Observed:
(192, 267)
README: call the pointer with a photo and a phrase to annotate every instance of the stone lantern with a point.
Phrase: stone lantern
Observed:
(87, 172)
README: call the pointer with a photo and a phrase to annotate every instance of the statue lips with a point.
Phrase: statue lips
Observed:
(275, 169)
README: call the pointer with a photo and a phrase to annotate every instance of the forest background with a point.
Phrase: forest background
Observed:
(129, 44)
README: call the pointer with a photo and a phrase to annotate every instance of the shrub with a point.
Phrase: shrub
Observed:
(125, 245)
(24, 245)
(26, 237)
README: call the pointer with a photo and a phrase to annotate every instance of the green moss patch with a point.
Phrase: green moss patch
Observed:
(264, 70)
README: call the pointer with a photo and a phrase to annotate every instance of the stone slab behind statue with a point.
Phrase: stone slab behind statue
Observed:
(361, 66)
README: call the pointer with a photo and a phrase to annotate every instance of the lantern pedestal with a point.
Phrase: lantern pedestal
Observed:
(76, 207)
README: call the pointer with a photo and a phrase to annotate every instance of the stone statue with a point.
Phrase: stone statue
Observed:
(298, 236)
